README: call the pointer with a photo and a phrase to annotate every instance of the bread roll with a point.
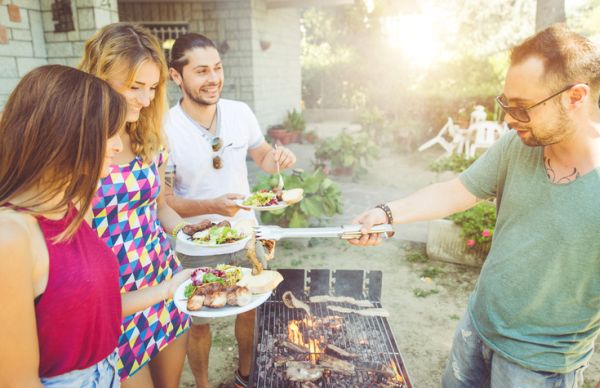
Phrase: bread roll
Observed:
(264, 282)
(292, 196)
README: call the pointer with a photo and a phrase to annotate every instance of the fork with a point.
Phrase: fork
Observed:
(280, 182)
(346, 232)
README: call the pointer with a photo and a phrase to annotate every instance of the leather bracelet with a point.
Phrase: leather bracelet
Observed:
(388, 212)
(177, 228)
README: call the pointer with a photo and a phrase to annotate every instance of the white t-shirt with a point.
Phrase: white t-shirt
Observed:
(191, 154)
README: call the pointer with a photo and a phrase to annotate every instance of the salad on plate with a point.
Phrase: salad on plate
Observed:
(264, 198)
(211, 234)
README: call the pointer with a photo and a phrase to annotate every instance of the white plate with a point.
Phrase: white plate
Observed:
(209, 312)
(186, 246)
(280, 205)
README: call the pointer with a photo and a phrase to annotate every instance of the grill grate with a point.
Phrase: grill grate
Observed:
(378, 363)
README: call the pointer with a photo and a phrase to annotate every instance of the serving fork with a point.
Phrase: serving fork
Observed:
(346, 232)
(280, 181)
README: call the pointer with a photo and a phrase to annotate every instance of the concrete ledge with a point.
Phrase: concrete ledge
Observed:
(445, 243)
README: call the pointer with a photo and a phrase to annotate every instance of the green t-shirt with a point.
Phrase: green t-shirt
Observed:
(537, 300)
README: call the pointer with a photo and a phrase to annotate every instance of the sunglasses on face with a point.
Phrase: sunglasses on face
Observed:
(520, 113)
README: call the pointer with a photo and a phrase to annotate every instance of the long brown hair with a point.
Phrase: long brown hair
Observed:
(121, 46)
(54, 132)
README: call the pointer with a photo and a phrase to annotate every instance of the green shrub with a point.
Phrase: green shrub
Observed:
(322, 198)
(477, 225)
(355, 151)
(294, 122)
(455, 162)
(417, 257)
(421, 293)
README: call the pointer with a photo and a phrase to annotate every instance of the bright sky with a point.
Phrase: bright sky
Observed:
(424, 46)
(573, 4)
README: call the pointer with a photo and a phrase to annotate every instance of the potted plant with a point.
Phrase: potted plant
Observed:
(464, 238)
(347, 154)
(295, 125)
(311, 137)
(322, 198)
(278, 133)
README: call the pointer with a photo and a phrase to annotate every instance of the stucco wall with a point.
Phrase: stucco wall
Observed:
(276, 70)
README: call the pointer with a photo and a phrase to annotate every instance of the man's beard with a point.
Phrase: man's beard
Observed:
(195, 97)
(563, 129)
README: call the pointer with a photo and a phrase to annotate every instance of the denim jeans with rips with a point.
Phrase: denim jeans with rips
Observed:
(101, 375)
(472, 364)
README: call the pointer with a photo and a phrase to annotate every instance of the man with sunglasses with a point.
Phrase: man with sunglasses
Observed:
(209, 140)
(534, 315)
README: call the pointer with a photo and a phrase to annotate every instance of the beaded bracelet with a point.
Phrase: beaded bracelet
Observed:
(388, 212)
(177, 228)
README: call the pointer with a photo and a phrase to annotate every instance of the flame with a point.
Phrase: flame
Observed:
(294, 333)
(398, 376)
(296, 336)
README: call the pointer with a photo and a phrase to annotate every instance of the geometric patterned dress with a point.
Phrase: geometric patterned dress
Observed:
(126, 219)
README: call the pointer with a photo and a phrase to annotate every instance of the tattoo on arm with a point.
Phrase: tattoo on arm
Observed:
(552, 174)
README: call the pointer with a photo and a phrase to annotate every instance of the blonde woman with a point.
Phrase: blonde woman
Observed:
(129, 212)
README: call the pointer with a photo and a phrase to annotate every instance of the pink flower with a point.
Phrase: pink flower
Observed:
(471, 243)
(486, 233)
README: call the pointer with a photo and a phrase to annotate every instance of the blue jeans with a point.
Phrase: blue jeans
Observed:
(472, 364)
(102, 375)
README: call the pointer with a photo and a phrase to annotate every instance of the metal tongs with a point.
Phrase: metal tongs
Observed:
(346, 232)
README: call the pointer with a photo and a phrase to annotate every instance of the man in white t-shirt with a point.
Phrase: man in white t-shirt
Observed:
(209, 140)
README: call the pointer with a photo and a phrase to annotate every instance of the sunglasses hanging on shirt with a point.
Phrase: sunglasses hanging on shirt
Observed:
(217, 145)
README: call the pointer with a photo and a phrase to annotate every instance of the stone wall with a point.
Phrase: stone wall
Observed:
(228, 23)
(266, 78)
(28, 40)
(22, 43)
(66, 48)
(260, 47)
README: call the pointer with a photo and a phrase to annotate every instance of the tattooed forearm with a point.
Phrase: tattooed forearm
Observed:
(552, 174)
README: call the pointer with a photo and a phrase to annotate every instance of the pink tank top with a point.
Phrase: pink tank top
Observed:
(79, 314)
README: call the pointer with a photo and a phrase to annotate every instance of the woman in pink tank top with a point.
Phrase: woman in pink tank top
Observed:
(61, 305)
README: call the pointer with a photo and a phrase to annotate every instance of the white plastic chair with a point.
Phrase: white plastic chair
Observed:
(477, 115)
(449, 129)
(486, 134)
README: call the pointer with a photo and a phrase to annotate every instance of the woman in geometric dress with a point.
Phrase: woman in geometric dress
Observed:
(129, 211)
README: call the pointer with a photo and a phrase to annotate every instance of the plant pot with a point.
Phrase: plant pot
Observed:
(445, 243)
(343, 171)
(310, 138)
(278, 134)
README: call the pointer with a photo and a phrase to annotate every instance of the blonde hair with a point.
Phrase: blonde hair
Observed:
(124, 45)
(54, 132)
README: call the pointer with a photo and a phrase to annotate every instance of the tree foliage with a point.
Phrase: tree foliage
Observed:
(348, 60)
(549, 12)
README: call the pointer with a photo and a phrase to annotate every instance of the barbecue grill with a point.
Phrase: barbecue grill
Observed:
(351, 350)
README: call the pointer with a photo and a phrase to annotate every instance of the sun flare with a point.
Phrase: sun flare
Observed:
(416, 36)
